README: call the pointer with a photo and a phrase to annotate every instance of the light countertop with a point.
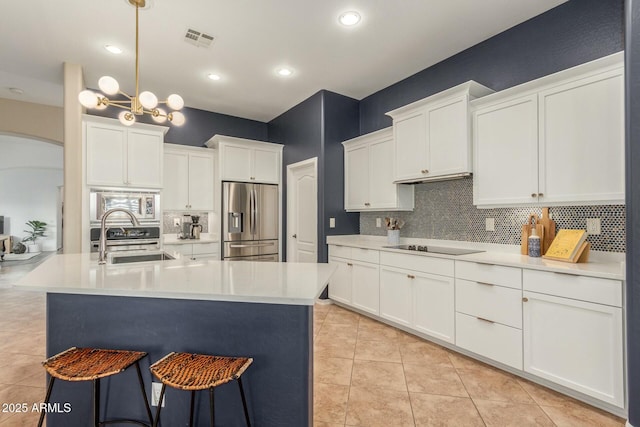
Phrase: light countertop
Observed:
(172, 239)
(239, 281)
(601, 264)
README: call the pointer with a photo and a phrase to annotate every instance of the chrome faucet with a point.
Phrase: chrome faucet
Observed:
(102, 246)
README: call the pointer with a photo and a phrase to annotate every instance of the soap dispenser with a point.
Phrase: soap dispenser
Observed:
(534, 243)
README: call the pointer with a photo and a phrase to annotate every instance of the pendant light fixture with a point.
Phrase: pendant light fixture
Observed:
(139, 104)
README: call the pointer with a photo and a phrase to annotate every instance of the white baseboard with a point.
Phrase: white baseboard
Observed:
(323, 301)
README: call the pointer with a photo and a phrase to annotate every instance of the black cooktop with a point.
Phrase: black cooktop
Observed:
(435, 249)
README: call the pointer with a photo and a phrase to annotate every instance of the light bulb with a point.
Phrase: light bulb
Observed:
(349, 18)
(159, 115)
(88, 99)
(127, 118)
(148, 100)
(177, 118)
(175, 102)
(101, 105)
(284, 72)
(108, 85)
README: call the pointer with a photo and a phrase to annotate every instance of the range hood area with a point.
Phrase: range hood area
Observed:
(435, 178)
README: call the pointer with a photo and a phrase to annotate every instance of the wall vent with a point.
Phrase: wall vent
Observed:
(198, 38)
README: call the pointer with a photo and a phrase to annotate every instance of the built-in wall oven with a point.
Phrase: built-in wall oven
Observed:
(144, 204)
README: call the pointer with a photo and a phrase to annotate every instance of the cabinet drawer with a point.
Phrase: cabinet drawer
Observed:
(489, 273)
(592, 289)
(365, 255)
(339, 251)
(493, 340)
(205, 248)
(496, 303)
(426, 264)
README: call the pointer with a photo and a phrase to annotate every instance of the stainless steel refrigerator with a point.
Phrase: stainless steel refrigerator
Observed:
(250, 222)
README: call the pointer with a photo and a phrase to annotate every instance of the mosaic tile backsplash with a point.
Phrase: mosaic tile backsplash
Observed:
(444, 210)
(167, 221)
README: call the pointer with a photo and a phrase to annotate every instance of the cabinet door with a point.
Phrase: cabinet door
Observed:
(382, 192)
(449, 138)
(412, 154)
(576, 344)
(506, 153)
(236, 163)
(105, 154)
(266, 166)
(144, 158)
(175, 194)
(201, 181)
(396, 295)
(582, 140)
(356, 194)
(365, 285)
(433, 306)
(340, 283)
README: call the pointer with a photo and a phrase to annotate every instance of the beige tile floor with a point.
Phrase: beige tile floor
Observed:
(365, 374)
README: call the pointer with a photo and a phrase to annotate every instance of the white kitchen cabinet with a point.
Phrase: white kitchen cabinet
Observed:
(365, 286)
(120, 156)
(194, 251)
(188, 178)
(247, 160)
(432, 136)
(368, 166)
(557, 140)
(357, 279)
(340, 284)
(417, 298)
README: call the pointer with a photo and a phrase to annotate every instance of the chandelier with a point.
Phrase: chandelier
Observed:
(137, 105)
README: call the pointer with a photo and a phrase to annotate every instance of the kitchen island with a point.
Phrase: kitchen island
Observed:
(258, 310)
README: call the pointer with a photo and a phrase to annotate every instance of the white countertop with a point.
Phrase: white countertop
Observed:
(601, 264)
(172, 239)
(240, 281)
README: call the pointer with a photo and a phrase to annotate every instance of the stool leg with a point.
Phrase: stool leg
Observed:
(244, 402)
(211, 407)
(96, 402)
(144, 394)
(193, 393)
(46, 400)
(157, 420)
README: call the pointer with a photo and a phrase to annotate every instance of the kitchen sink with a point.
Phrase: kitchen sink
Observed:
(125, 258)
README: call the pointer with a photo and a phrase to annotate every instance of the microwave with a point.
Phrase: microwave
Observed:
(144, 205)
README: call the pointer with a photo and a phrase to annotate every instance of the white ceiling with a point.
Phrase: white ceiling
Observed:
(395, 39)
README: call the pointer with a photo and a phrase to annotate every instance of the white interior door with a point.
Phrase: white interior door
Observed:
(302, 211)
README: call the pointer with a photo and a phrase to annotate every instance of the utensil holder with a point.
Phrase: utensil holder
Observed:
(393, 237)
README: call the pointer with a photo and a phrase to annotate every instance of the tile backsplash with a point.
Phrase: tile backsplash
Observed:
(168, 217)
(445, 210)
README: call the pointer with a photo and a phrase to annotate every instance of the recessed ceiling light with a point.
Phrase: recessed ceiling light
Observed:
(349, 18)
(213, 76)
(284, 72)
(113, 49)
(16, 91)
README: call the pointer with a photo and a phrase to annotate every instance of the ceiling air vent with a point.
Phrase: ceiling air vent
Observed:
(197, 38)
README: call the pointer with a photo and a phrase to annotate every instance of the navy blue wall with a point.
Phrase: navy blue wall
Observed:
(632, 120)
(200, 126)
(571, 34)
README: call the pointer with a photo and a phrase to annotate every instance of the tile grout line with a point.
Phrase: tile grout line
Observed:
(467, 390)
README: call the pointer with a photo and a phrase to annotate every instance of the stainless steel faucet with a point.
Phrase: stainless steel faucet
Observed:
(102, 246)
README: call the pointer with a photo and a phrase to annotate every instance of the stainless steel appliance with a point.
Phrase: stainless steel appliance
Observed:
(127, 239)
(196, 227)
(143, 204)
(250, 222)
(435, 249)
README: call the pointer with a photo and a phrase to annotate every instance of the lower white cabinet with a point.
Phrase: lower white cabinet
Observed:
(433, 306)
(365, 290)
(340, 284)
(356, 281)
(576, 344)
(194, 250)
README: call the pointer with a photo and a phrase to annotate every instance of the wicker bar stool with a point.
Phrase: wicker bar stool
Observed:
(91, 364)
(193, 372)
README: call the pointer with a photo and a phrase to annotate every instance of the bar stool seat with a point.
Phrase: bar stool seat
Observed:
(193, 372)
(91, 364)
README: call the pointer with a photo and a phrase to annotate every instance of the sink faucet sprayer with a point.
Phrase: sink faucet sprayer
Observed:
(102, 248)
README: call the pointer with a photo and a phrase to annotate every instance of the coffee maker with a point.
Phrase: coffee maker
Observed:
(186, 227)
(196, 227)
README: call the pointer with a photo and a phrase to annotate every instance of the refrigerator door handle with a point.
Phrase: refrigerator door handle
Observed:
(261, 245)
(253, 202)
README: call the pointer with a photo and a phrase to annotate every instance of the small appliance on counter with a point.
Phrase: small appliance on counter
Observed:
(196, 227)
(185, 233)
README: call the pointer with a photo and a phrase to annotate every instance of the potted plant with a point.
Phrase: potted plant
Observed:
(37, 230)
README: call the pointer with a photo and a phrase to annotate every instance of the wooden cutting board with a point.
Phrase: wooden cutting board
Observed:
(549, 230)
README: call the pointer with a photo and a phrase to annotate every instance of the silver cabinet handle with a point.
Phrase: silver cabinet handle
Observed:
(349, 264)
(485, 283)
(424, 171)
(411, 276)
(295, 236)
(540, 194)
(525, 299)
(534, 195)
(485, 320)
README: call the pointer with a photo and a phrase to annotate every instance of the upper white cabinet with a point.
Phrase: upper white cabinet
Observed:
(188, 178)
(368, 171)
(558, 140)
(123, 156)
(247, 160)
(433, 136)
